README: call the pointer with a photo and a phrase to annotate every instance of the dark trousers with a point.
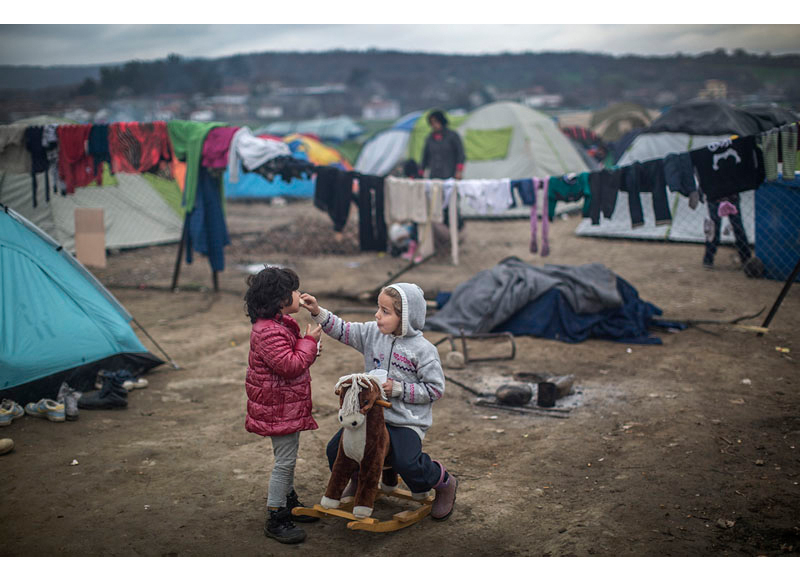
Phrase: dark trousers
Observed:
(740, 237)
(416, 468)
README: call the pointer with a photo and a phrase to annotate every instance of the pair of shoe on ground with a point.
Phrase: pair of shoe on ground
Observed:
(43, 408)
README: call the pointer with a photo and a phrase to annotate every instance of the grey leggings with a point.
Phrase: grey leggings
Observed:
(281, 480)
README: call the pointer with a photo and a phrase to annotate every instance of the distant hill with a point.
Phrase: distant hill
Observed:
(43, 77)
(421, 80)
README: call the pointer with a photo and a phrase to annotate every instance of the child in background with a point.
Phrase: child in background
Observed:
(278, 388)
(394, 342)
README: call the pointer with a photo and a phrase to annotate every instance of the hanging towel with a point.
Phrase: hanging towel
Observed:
(216, 146)
(497, 193)
(206, 230)
(405, 200)
(138, 147)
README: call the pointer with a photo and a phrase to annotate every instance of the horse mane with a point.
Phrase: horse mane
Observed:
(350, 403)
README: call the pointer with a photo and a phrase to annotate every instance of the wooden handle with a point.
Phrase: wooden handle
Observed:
(383, 403)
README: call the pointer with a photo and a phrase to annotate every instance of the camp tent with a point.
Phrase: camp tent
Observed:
(507, 139)
(57, 321)
(614, 121)
(683, 128)
(385, 150)
(138, 210)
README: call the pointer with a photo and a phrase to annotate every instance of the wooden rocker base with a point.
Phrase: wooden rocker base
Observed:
(399, 520)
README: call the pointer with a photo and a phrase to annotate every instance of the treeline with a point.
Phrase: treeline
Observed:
(420, 79)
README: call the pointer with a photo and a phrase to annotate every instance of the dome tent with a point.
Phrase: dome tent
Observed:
(57, 321)
(383, 151)
(534, 147)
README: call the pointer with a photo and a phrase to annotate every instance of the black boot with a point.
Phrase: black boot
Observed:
(292, 501)
(112, 396)
(279, 527)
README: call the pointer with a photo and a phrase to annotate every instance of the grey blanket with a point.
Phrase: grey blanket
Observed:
(493, 296)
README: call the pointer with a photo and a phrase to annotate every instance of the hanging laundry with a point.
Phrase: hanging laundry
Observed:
(285, 167)
(138, 147)
(679, 174)
(789, 150)
(728, 167)
(97, 146)
(216, 147)
(544, 185)
(568, 188)
(14, 157)
(333, 193)
(187, 139)
(39, 160)
(50, 144)
(405, 200)
(75, 166)
(206, 231)
(371, 223)
(604, 185)
(526, 189)
(252, 152)
(769, 150)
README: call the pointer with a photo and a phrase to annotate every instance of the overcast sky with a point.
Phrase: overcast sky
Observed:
(80, 43)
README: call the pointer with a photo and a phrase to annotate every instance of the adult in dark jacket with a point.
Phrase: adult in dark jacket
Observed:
(443, 154)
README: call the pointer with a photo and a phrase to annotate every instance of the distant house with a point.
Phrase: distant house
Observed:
(542, 101)
(380, 110)
(269, 112)
(714, 89)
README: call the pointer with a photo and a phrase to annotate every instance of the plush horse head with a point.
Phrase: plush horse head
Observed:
(364, 444)
(358, 393)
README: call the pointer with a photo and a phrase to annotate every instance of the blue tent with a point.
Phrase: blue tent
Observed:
(57, 321)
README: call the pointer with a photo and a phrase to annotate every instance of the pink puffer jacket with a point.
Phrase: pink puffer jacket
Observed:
(278, 382)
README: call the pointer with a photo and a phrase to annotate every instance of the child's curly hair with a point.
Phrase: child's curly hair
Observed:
(269, 291)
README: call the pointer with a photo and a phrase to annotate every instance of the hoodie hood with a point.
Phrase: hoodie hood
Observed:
(414, 308)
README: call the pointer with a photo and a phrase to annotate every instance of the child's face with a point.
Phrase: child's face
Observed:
(387, 318)
(294, 305)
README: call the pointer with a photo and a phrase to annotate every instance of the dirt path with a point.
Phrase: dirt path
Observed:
(685, 449)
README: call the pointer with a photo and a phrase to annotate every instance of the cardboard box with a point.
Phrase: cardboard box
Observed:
(90, 236)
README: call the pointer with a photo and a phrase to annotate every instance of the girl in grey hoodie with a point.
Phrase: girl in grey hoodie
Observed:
(394, 342)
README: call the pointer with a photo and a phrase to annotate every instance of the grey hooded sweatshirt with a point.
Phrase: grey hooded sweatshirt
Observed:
(411, 360)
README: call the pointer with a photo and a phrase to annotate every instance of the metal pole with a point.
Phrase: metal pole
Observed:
(169, 358)
(781, 296)
(177, 269)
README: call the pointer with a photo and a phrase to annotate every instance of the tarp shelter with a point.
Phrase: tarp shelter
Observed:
(332, 129)
(534, 147)
(567, 303)
(683, 128)
(57, 321)
(388, 148)
(138, 210)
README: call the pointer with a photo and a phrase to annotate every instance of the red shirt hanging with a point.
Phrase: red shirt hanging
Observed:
(75, 166)
(138, 147)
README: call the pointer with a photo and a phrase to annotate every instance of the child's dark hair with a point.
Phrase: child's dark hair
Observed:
(269, 291)
(439, 116)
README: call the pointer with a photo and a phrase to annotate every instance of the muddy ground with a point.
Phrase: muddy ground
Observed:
(689, 448)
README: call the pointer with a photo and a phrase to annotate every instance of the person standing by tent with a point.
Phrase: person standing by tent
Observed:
(443, 155)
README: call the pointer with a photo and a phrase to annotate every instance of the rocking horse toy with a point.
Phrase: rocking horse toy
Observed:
(364, 449)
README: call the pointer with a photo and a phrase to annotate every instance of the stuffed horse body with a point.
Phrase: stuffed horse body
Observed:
(364, 445)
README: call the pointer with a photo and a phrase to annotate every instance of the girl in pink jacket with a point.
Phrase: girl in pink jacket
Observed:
(278, 388)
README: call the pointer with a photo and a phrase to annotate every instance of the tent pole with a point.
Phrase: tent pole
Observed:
(178, 259)
(781, 296)
(169, 358)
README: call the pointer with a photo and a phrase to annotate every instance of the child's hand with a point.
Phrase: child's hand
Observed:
(315, 333)
(308, 302)
(387, 388)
